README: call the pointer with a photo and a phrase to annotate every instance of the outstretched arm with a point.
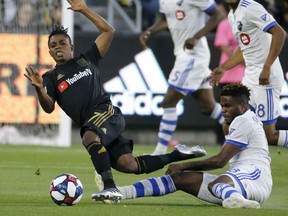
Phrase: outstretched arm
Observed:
(104, 40)
(158, 26)
(47, 103)
(215, 16)
(234, 60)
(215, 162)
(278, 39)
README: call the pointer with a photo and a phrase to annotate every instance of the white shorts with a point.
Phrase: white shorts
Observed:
(188, 73)
(265, 103)
(252, 182)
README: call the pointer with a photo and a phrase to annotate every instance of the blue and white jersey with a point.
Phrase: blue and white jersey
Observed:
(250, 23)
(246, 131)
(184, 19)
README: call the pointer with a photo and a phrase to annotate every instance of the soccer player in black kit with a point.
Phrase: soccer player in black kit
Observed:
(75, 85)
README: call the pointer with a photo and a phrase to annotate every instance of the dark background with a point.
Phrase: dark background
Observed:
(121, 53)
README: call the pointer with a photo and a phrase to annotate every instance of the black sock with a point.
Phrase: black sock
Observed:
(150, 163)
(101, 162)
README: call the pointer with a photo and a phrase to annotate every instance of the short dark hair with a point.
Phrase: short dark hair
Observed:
(236, 90)
(59, 29)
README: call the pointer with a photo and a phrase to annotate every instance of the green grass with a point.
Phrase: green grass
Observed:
(22, 192)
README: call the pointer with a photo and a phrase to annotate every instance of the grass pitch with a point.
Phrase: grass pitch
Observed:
(26, 173)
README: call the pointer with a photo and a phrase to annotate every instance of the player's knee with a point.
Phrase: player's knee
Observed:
(127, 164)
(177, 178)
(210, 186)
(272, 140)
(89, 137)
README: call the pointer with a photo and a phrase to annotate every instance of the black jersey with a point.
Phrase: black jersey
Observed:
(76, 85)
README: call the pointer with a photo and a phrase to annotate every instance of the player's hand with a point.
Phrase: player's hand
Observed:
(264, 76)
(76, 5)
(215, 76)
(34, 77)
(173, 168)
(190, 43)
(144, 37)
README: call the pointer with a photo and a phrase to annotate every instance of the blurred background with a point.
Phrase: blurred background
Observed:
(24, 27)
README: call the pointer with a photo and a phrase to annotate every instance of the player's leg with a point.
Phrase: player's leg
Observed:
(121, 157)
(169, 120)
(99, 157)
(209, 107)
(242, 187)
(101, 162)
(158, 186)
(104, 126)
(274, 137)
(266, 105)
(194, 183)
(207, 104)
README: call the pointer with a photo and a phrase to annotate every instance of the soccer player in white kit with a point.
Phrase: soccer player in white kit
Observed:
(248, 182)
(260, 39)
(186, 21)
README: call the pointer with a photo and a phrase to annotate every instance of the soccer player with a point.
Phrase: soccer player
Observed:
(248, 182)
(261, 40)
(75, 85)
(186, 21)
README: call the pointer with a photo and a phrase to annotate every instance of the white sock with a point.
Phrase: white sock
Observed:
(157, 186)
(217, 114)
(168, 125)
(283, 138)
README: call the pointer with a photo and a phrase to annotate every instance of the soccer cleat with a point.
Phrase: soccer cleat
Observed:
(98, 181)
(100, 185)
(111, 201)
(191, 152)
(112, 194)
(240, 202)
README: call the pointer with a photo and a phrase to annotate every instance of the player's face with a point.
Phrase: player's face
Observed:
(60, 49)
(231, 108)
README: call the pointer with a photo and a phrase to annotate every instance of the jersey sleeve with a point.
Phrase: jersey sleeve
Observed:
(205, 6)
(257, 14)
(239, 132)
(49, 85)
(93, 54)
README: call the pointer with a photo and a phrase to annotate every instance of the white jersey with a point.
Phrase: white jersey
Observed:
(184, 19)
(250, 23)
(246, 131)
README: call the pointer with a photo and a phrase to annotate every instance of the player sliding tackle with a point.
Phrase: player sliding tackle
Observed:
(248, 182)
(75, 84)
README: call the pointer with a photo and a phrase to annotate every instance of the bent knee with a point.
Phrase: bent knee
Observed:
(127, 164)
(272, 138)
(210, 186)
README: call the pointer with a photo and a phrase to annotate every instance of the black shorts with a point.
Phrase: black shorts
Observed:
(107, 121)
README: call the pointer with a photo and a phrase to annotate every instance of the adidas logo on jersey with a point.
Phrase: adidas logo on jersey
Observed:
(60, 76)
(140, 87)
(265, 17)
